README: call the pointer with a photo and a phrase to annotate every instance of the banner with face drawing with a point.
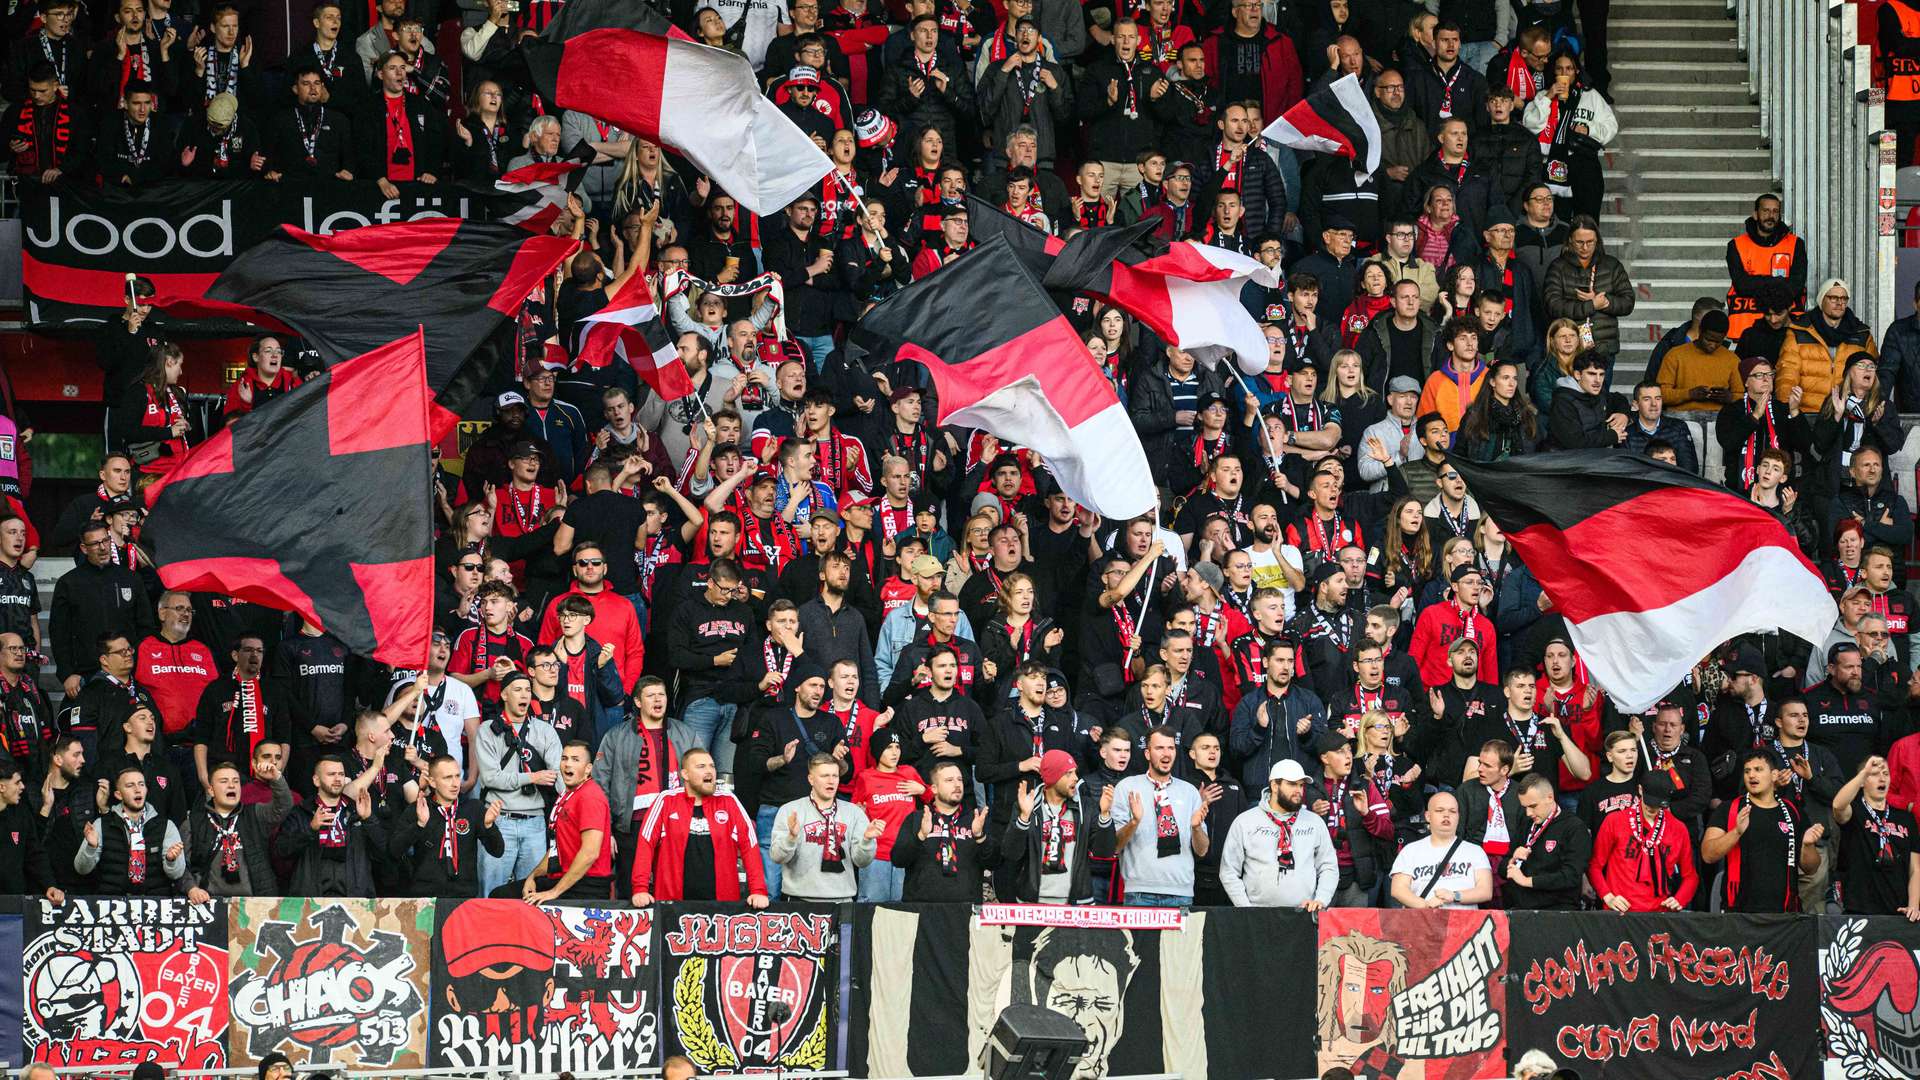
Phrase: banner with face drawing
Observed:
(116, 981)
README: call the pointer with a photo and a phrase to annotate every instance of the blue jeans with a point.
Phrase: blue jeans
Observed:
(639, 602)
(881, 882)
(818, 348)
(708, 724)
(763, 823)
(526, 839)
(1154, 899)
(1477, 55)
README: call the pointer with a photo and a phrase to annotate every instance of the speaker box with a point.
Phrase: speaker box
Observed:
(1033, 1043)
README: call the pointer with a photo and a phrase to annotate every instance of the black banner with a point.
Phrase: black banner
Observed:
(1627, 997)
(542, 989)
(81, 242)
(1870, 996)
(750, 991)
(1198, 999)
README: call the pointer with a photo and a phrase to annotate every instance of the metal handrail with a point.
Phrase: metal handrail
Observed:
(1825, 121)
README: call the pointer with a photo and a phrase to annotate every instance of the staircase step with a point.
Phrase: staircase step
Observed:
(1698, 95)
(1663, 181)
(1690, 48)
(1707, 26)
(1688, 139)
(1637, 75)
(1666, 116)
(1696, 9)
(1679, 228)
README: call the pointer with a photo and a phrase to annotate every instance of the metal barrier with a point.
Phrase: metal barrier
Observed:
(1824, 119)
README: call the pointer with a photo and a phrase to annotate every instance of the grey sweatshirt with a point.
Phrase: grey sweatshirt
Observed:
(1250, 862)
(801, 859)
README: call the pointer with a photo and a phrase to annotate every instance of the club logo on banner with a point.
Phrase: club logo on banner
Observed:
(1870, 997)
(1648, 997)
(1414, 994)
(330, 982)
(120, 981)
(749, 991)
(12, 928)
(542, 989)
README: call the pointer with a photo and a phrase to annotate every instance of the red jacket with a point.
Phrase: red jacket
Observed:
(1618, 866)
(1281, 79)
(614, 623)
(1439, 627)
(1903, 762)
(660, 847)
(175, 675)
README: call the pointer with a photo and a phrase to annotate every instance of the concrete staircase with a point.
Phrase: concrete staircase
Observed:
(1686, 166)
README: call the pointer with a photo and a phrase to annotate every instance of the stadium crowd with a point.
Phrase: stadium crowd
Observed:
(789, 637)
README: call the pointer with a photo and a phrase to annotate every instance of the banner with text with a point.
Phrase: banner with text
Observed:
(542, 989)
(116, 981)
(12, 929)
(340, 983)
(748, 991)
(1648, 997)
(81, 242)
(1413, 993)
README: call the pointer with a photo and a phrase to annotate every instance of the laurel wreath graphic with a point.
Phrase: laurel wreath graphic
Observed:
(697, 1036)
(1845, 1042)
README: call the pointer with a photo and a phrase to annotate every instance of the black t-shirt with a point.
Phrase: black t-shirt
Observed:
(697, 874)
(1240, 66)
(611, 520)
(1874, 850)
(1404, 349)
(1767, 877)
(1603, 797)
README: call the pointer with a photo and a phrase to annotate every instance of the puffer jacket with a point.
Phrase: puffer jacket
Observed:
(1150, 407)
(1810, 363)
(1566, 277)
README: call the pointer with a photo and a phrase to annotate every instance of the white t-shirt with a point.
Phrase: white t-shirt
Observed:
(455, 707)
(1268, 575)
(1420, 859)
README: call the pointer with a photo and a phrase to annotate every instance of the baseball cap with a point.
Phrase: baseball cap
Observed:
(525, 448)
(480, 936)
(926, 564)
(1287, 769)
(510, 397)
(857, 501)
(121, 503)
(1211, 574)
(1402, 384)
(222, 108)
(1329, 741)
(1326, 571)
(1462, 643)
(803, 75)
(1656, 789)
(901, 393)
(1464, 570)
(872, 128)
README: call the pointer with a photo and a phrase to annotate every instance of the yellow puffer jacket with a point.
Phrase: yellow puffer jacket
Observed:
(1808, 362)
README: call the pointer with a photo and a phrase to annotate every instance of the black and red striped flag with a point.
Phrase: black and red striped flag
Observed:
(1335, 119)
(546, 186)
(317, 502)
(1652, 566)
(631, 328)
(1004, 359)
(351, 292)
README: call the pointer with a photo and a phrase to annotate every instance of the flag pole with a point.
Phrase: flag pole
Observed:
(1266, 439)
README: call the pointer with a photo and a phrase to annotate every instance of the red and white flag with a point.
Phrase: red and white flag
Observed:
(630, 327)
(1335, 119)
(1651, 566)
(699, 100)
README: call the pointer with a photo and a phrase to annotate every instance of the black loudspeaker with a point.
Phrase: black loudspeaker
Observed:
(1033, 1043)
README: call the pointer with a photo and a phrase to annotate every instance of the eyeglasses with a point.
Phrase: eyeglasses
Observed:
(100, 543)
(547, 664)
(589, 562)
(124, 650)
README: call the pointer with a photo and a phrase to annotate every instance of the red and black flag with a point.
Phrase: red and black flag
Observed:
(1335, 119)
(1004, 359)
(702, 102)
(351, 292)
(546, 185)
(1652, 566)
(317, 502)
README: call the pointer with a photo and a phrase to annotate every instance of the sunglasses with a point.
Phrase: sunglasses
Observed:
(472, 567)
(589, 562)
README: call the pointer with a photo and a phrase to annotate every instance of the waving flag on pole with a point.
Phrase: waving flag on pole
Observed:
(1652, 567)
(630, 327)
(317, 502)
(699, 100)
(1189, 295)
(1335, 119)
(1004, 359)
(550, 183)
